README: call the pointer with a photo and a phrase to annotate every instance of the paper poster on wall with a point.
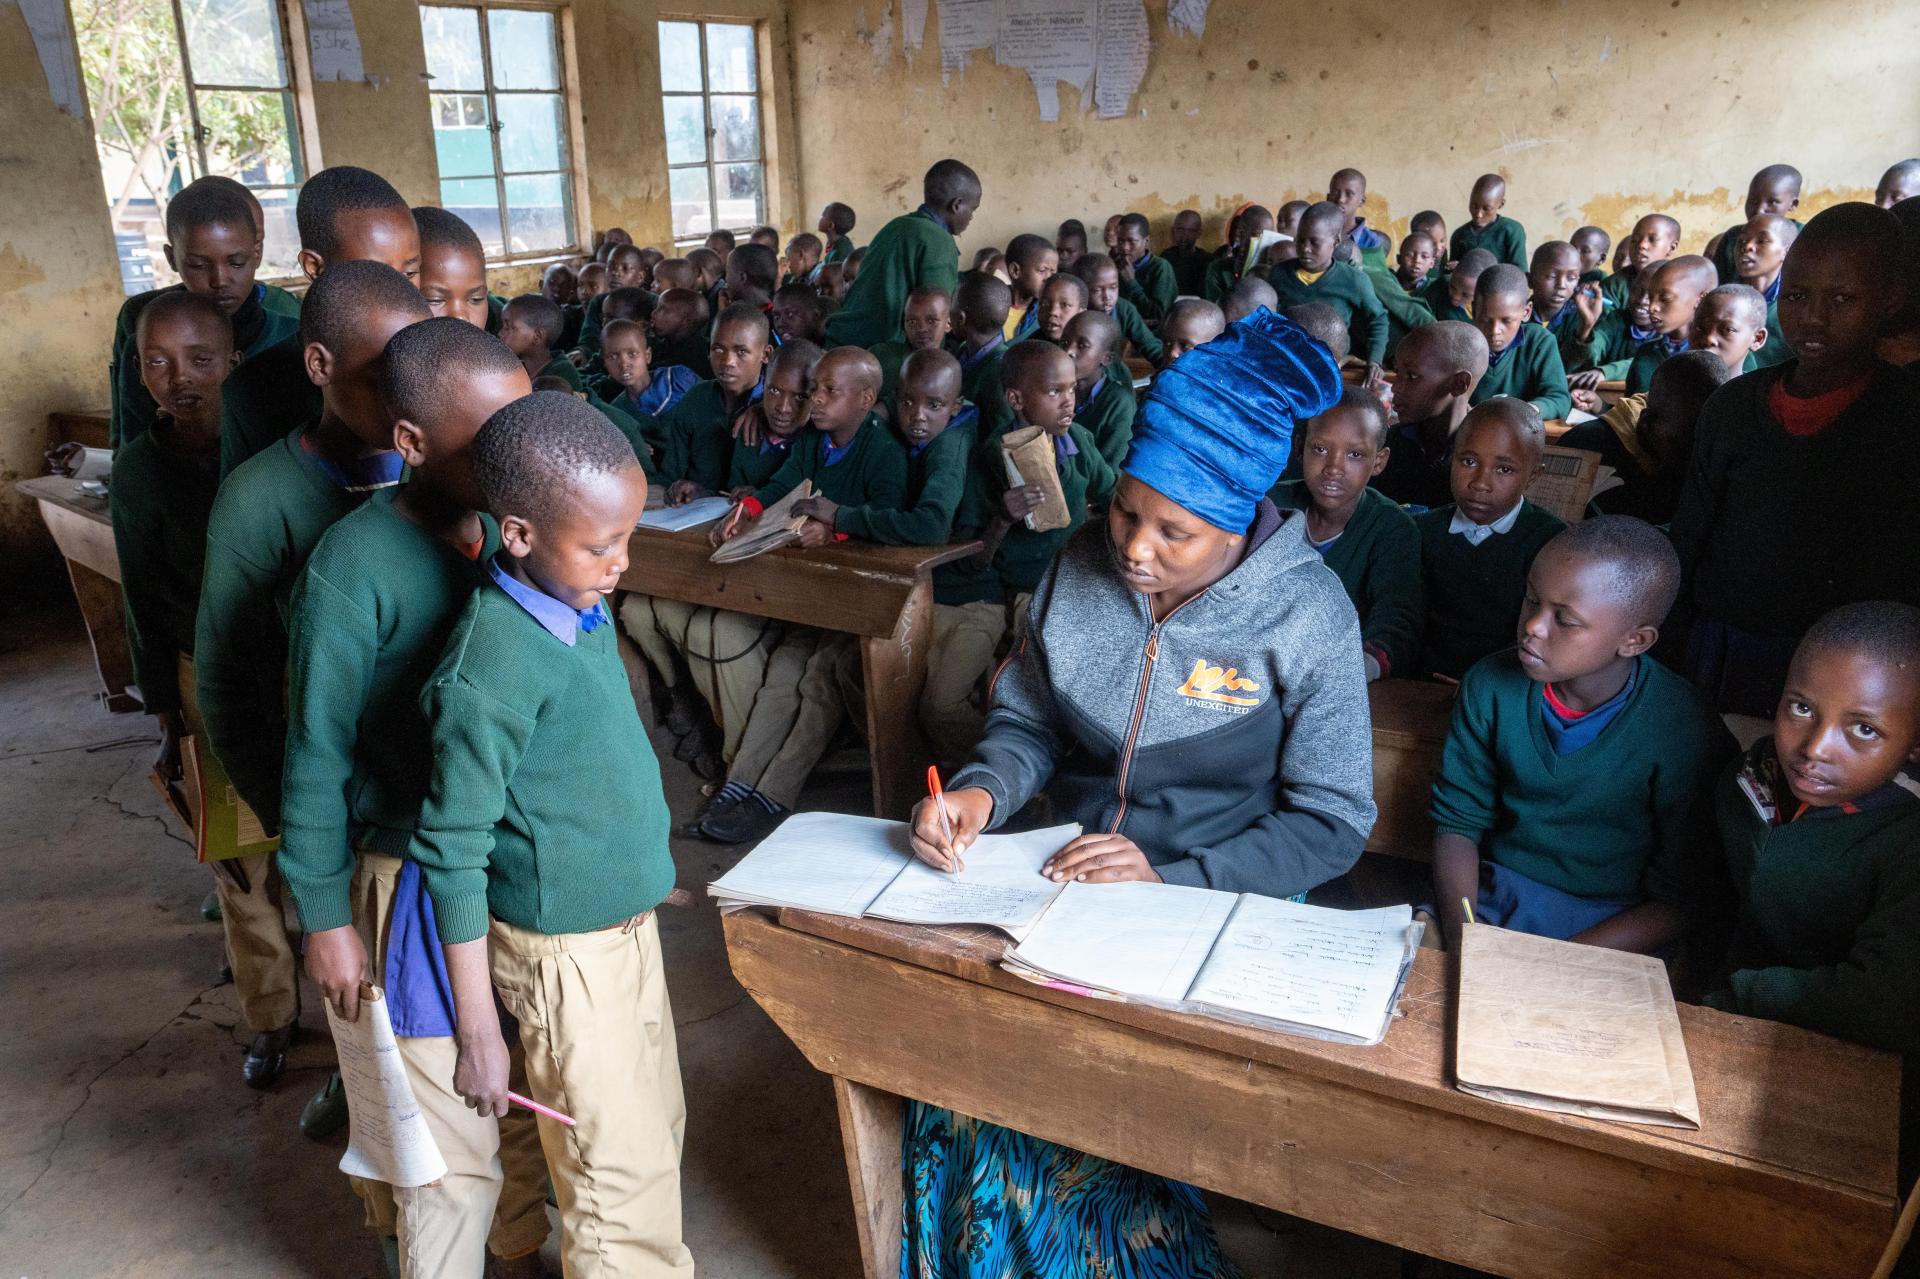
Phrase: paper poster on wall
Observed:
(1124, 46)
(913, 24)
(965, 25)
(1053, 41)
(1187, 17)
(333, 41)
(52, 31)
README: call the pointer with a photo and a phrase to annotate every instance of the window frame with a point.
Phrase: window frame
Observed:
(706, 95)
(573, 166)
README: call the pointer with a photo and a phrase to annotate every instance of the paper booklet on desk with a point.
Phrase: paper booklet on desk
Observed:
(777, 526)
(864, 866)
(388, 1140)
(1577, 1029)
(1257, 961)
(1030, 459)
(672, 519)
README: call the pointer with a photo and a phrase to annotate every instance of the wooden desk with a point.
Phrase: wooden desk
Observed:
(882, 594)
(1410, 719)
(83, 531)
(1791, 1176)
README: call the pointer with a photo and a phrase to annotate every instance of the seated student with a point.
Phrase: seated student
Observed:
(766, 236)
(560, 286)
(917, 248)
(637, 305)
(1230, 262)
(1145, 280)
(1402, 289)
(1429, 223)
(1416, 262)
(990, 259)
(1757, 258)
(1064, 297)
(641, 391)
(1554, 278)
(1900, 182)
(1031, 262)
(1774, 190)
(1316, 277)
(836, 227)
(592, 282)
(1102, 279)
(719, 243)
(926, 321)
(1450, 297)
(804, 252)
(1648, 439)
(852, 461)
(1487, 228)
(695, 436)
(542, 839)
(1192, 322)
(1104, 400)
(1677, 287)
(752, 274)
(1438, 368)
(530, 326)
(1249, 293)
(369, 618)
(1347, 191)
(345, 215)
(1069, 241)
(798, 314)
(710, 270)
(1654, 240)
(270, 512)
(1368, 542)
(979, 322)
(453, 267)
(1574, 797)
(829, 282)
(1784, 454)
(1325, 326)
(1475, 553)
(213, 244)
(1184, 254)
(678, 331)
(1523, 359)
(1730, 321)
(626, 269)
(1592, 244)
(674, 273)
(850, 270)
(1606, 350)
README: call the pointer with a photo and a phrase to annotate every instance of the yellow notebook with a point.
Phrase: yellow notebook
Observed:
(224, 826)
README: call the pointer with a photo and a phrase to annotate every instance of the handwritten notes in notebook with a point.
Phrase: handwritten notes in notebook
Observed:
(671, 519)
(388, 1138)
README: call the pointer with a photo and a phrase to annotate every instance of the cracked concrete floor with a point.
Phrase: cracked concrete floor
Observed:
(131, 1148)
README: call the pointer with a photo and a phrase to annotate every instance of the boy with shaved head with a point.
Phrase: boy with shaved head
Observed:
(1487, 228)
(1678, 285)
(912, 250)
(1185, 256)
(1774, 190)
(1314, 276)
(1347, 189)
(1758, 256)
(1145, 280)
(1523, 359)
(1653, 241)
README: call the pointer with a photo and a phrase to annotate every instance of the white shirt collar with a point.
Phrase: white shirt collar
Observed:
(1478, 533)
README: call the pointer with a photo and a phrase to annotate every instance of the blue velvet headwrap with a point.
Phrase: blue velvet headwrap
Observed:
(1214, 431)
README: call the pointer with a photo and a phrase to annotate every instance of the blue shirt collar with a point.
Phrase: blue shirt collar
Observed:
(1772, 292)
(1495, 359)
(973, 359)
(1143, 259)
(928, 210)
(1551, 323)
(1064, 447)
(1093, 393)
(357, 475)
(560, 621)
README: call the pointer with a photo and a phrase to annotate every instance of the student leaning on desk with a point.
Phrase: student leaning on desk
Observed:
(1222, 743)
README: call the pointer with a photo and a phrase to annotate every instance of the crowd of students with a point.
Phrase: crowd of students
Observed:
(372, 539)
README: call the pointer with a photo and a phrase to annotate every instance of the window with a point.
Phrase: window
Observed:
(710, 87)
(500, 125)
(181, 89)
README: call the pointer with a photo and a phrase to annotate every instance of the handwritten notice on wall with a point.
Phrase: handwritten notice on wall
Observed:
(1124, 46)
(1099, 47)
(965, 25)
(1053, 41)
(334, 43)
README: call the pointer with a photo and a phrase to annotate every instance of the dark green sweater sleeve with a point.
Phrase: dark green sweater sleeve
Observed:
(139, 538)
(1152, 290)
(1685, 842)
(1134, 329)
(928, 519)
(1547, 377)
(1369, 319)
(791, 472)
(478, 742)
(1109, 420)
(1392, 600)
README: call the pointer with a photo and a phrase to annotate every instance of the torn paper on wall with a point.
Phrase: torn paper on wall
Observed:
(913, 24)
(1053, 41)
(1123, 47)
(53, 41)
(965, 25)
(334, 43)
(1187, 17)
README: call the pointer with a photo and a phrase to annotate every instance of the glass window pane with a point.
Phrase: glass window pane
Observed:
(692, 214)
(686, 130)
(461, 140)
(452, 38)
(476, 201)
(538, 216)
(730, 60)
(530, 132)
(680, 56)
(525, 54)
(736, 128)
(280, 254)
(234, 42)
(742, 192)
(249, 136)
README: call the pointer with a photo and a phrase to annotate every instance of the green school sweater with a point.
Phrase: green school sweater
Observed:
(1108, 417)
(1774, 530)
(1829, 915)
(1529, 369)
(1617, 288)
(911, 250)
(1133, 327)
(872, 472)
(694, 436)
(1222, 274)
(1474, 592)
(370, 619)
(936, 480)
(544, 808)
(264, 398)
(1440, 301)
(1189, 268)
(270, 514)
(259, 324)
(839, 251)
(1086, 480)
(1610, 348)
(980, 383)
(1377, 558)
(973, 579)
(1503, 237)
(160, 499)
(561, 367)
(752, 467)
(1626, 818)
(1648, 359)
(591, 322)
(1152, 289)
(1776, 351)
(1405, 311)
(1346, 289)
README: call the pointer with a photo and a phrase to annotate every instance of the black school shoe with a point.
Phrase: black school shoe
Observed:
(747, 822)
(267, 1056)
(695, 828)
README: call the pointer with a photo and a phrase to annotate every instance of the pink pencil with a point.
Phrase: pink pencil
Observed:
(539, 1109)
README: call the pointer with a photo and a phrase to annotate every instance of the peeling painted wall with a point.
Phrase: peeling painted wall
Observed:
(1594, 112)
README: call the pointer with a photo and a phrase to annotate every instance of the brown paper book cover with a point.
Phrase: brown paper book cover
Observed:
(777, 526)
(1030, 460)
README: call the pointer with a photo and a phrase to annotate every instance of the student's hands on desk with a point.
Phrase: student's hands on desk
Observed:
(818, 508)
(813, 533)
(680, 492)
(1100, 858)
(969, 809)
(337, 964)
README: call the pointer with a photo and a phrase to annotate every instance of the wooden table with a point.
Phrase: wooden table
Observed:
(83, 531)
(1791, 1176)
(881, 594)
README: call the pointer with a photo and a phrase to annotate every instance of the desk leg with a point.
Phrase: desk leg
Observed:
(895, 667)
(105, 612)
(870, 1131)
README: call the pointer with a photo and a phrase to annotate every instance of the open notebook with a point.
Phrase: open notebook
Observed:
(777, 526)
(1259, 961)
(842, 865)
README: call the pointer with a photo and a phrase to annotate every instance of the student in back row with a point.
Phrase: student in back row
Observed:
(917, 248)
(1145, 280)
(1523, 359)
(1487, 228)
(1315, 277)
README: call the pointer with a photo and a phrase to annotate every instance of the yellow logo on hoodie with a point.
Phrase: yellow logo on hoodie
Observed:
(1209, 683)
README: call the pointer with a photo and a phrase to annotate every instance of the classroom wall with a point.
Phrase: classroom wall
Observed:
(1595, 113)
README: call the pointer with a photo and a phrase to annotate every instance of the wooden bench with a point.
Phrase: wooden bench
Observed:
(1410, 721)
(83, 530)
(1791, 1175)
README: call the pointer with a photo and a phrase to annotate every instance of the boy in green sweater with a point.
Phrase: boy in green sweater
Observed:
(1229, 264)
(1678, 285)
(1104, 400)
(1315, 277)
(1654, 239)
(1592, 244)
(798, 314)
(1401, 289)
(1184, 254)
(695, 437)
(979, 312)
(1102, 279)
(1475, 553)
(1574, 795)
(1775, 191)
(1554, 278)
(268, 517)
(926, 322)
(1758, 259)
(213, 244)
(1450, 296)
(1523, 360)
(345, 214)
(1648, 439)
(1486, 228)
(453, 266)
(1439, 365)
(1145, 280)
(803, 255)
(915, 249)
(1031, 262)
(1192, 322)
(1367, 540)
(370, 617)
(836, 227)
(1730, 321)
(1064, 297)
(542, 839)
(1604, 351)
(530, 326)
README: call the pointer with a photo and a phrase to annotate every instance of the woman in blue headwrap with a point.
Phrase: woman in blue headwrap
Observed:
(1190, 690)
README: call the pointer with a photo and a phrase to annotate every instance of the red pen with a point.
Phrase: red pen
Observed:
(946, 820)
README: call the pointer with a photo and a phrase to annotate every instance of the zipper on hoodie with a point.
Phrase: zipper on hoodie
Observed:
(1140, 708)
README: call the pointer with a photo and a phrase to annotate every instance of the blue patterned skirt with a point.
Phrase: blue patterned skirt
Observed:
(986, 1202)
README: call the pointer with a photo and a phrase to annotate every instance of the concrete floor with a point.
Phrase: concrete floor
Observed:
(130, 1146)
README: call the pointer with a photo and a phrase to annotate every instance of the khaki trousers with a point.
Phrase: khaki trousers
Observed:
(599, 1040)
(495, 1190)
(794, 718)
(265, 975)
(726, 652)
(959, 659)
